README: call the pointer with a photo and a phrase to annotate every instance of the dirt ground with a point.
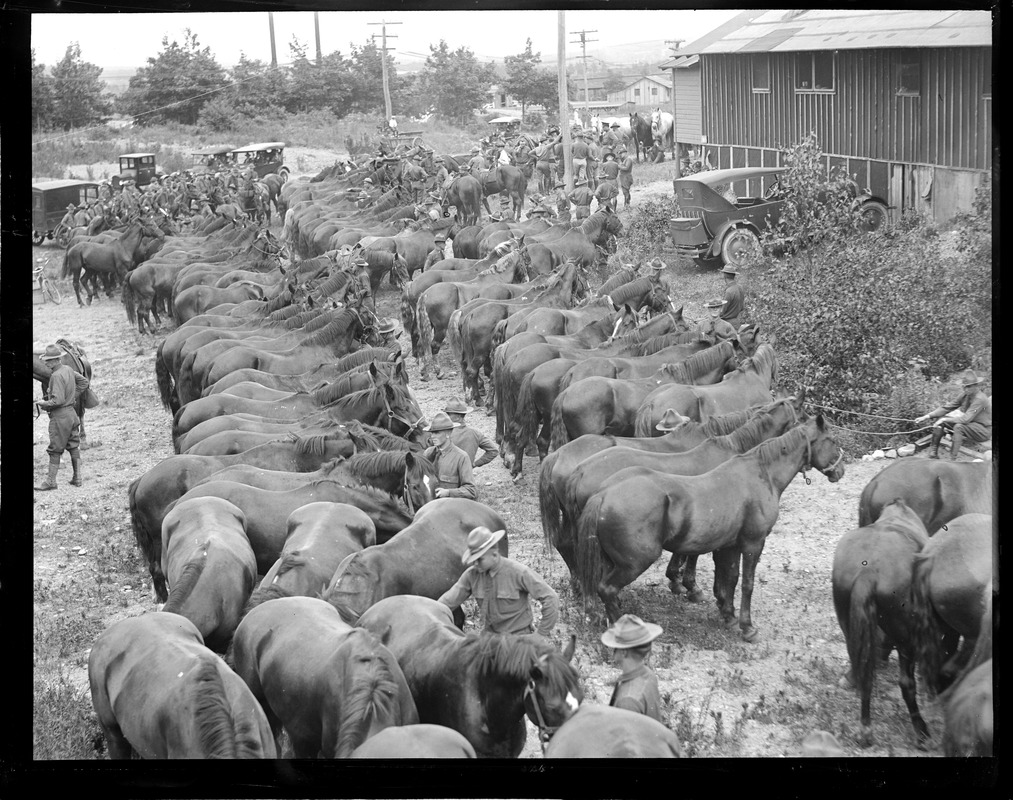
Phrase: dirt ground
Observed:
(723, 696)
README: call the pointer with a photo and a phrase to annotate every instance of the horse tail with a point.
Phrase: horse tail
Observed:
(643, 424)
(982, 647)
(589, 562)
(865, 504)
(186, 388)
(454, 335)
(188, 578)
(408, 319)
(216, 728)
(523, 421)
(862, 633)
(499, 334)
(164, 379)
(548, 502)
(148, 542)
(127, 296)
(926, 628)
(559, 435)
(66, 267)
(425, 330)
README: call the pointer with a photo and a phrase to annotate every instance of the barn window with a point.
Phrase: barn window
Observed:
(502, 99)
(761, 72)
(814, 72)
(636, 93)
(654, 91)
(909, 75)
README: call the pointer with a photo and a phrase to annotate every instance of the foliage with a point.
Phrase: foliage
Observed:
(257, 88)
(646, 232)
(614, 82)
(43, 106)
(77, 92)
(176, 83)
(329, 84)
(456, 82)
(524, 80)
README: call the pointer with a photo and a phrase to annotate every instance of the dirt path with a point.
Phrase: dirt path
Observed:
(724, 697)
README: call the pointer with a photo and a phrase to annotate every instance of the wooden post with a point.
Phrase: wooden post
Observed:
(316, 29)
(274, 52)
(386, 81)
(564, 103)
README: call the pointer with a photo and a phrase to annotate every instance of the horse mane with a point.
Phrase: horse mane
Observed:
(376, 493)
(622, 277)
(764, 356)
(333, 283)
(315, 444)
(361, 356)
(709, 358)
(371, 696)
(283, 313)
(630, 290)
(279, 302)
(345, 318)
(261, 595)
(769, 451)
(319, 321)
(215, 726)
(498, 658)
(300, 319)
(369, 394)
(379, 463)
(651, 346)
(335, 389)
(188, 578)
(746, 436)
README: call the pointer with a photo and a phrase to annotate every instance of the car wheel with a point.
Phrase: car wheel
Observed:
(738, 247)
(38, 238)
(874, 215)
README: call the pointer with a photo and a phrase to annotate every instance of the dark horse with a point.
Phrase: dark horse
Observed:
(115, 258)
(505, 178)
(466, 193)
(478, 684)
(728, 511)
(872, 588)
(640, 129)
(329, 685)
(74, 357)
(158, 692)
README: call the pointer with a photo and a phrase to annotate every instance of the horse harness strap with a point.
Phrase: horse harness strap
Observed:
(545, 732)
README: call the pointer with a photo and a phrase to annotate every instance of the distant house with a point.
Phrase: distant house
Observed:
(639, 93)
(902, 99)
(498, 97)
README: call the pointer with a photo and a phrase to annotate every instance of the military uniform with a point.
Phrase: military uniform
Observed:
(453, 470)
(734, 304)
(581, 197)
(65, 384)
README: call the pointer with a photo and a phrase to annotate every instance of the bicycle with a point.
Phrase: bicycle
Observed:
(48, 288)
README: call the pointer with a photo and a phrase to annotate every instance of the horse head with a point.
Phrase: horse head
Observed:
(824, 453)
(420, 481)
(553, 692)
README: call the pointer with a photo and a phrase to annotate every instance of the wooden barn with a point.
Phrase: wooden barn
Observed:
(901, 99)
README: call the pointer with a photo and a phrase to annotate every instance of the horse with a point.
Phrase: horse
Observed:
(209, 566)
(640, 130)
(267, 511)
(424, 559)
(595, 473)
(73, 356)
(937, 491)
(467, 195)
(481, 685)
(508, 179)
(582, 244)
(116, 258)
(663, 128)
(950, 584)
(415, 741)
(329, 685)
(968, 704)
(197, 299)
(606, 732)
(750, 384)
(558, 465)
(871, 587)
(150, 496)
(609, 405)
(320, 536)
(728, 511)
(159, 692)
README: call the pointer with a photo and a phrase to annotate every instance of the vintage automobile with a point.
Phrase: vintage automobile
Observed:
(137, 167)
(49, 204)
(212, 159)
(263, 157)
(723, 212)
(506, 126)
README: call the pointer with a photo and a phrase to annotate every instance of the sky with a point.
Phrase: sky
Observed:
(128, 40)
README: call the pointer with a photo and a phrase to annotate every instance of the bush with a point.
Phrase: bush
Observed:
(646, 233)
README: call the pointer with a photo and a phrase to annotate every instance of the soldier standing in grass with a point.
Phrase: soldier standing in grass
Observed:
(734, 298)
(65, 385)
(469, 439)
(625, 174)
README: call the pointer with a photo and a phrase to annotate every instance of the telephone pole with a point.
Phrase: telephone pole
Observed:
(564, 104)
(316, 30)
(583, 46)
(274, 52)
(386, 80)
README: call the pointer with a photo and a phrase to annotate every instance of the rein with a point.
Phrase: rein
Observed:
(545, 732)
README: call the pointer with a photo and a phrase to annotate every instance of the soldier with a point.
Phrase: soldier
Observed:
(469, 439)
(562, 203)
(625, 174)
(610, 140)
(636, 689)
(441, 178)
(477, 163)
(581, 197)
(734, 298)
(385, 331)
(972, 420)
(579, 153)
(363, 289)
(715, 327)
(65, 384)
(453, 467)
(539, 208)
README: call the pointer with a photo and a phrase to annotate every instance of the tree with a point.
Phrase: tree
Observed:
(42, 96)
(77, 93)
(175, 84)
(455, 82)
(367, 71)
(256, 87)
(614, 82)
(523, 76)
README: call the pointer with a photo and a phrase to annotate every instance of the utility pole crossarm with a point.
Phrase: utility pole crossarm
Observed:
(386, 81)
(583, 46)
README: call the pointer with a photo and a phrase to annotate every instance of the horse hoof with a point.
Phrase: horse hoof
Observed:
(750, 634)
(676, 588)
(845, 681)
(516, 478)
(695, 596)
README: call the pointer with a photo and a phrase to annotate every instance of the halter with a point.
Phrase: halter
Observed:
(391, 415)
(545, 732)
(407, 493)
(809, 460)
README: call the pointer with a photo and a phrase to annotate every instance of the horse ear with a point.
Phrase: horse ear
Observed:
(385, 636)
(820, 422)
(678, 314)
(372, 370)
(571, 646)
(409, 460)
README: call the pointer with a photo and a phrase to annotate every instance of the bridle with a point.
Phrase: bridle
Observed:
(545, 732)
(392, 416)
(809, 460)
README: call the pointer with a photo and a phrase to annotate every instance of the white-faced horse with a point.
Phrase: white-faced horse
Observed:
(663, 127)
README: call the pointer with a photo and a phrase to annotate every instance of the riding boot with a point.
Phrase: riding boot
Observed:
(50, 482)
(958, 439)
(937, 437)
(75, 460)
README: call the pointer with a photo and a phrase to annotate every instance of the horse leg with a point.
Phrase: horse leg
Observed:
(119, 748)
(907, 690)
(621, 575)
(694, 593)
(726, 576)
(673, 573)
(77, 288)
(750, 558)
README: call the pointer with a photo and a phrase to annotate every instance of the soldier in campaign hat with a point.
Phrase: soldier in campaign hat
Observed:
(453, 466)
(65, 385)
(467, 438)
(636, 689)
(503, 588)
(967, 416)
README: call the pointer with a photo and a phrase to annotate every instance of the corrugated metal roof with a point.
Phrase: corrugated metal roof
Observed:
(844, 29)
(697, 45)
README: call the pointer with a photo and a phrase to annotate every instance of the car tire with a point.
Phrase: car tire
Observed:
(283, 171)
(38, 238)
(737, 246)
(874, 215)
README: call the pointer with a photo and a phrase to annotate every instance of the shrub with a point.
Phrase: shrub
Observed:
(646, 231)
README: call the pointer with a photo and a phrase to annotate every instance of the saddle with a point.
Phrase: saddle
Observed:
(81, 364)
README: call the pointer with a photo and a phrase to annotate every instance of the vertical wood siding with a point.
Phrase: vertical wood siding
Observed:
(948, 124)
